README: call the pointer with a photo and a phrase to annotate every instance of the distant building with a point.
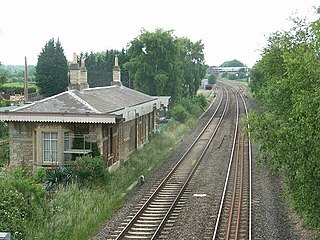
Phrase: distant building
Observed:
(112, 120)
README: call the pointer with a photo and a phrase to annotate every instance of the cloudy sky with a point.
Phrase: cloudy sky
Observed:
(229, 29)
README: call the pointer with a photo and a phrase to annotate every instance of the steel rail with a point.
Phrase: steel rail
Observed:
(157, 232)
(233, 193)
(228, 172)
(144, 206)
(250, 169)
(241, 188)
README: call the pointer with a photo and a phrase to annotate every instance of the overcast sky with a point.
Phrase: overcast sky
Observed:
(229, 29)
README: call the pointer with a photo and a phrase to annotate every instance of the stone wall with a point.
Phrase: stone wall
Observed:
(21, 143)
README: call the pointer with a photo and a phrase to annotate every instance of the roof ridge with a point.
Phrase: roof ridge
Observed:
(83, 101)
(97, 88)
(40, 101)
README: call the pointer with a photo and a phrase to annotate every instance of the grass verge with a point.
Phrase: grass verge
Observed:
(78, 212)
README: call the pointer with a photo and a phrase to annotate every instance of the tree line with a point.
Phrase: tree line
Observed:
(285, 82)
(15, 73)
(156, 63)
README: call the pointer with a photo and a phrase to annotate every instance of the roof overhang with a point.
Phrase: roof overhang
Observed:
(57, 117)
(131, 112)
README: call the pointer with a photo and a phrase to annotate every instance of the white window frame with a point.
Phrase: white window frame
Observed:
(52, 140)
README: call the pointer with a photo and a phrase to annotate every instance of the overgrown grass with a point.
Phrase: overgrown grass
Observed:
(78, 212)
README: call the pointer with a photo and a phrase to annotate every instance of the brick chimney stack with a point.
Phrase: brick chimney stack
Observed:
(78, 75)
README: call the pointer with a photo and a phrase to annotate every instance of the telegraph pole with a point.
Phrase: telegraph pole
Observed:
(25, 79)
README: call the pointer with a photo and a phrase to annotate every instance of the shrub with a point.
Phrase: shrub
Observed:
(21, 201)
(90, 169)
(201, 101)
(59, 176)
(179, 113)
(4, 155)
(16, 89)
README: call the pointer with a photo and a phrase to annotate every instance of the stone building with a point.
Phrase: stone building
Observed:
(112, 121)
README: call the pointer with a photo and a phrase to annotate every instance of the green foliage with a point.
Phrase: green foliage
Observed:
(4, 103)
(286, 83)
(192, 66)
(3, 79)
(201, 101)
(16, 89)
(179, 113)
(212, 79)
(234, 76)
(100, 67)
(15, 73)
(77, 212)
(90, 169)
(4, 155)
(162, 64)
(21, 201)
(233, 63)
(59, 176)
(52, 69)
(256, 79)
(84, 170)
(189, 107)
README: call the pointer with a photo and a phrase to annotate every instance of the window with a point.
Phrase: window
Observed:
(50, 146)
(67, 146)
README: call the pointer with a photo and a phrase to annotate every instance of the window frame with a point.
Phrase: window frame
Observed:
(52, 148)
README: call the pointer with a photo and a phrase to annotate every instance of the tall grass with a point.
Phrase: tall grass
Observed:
(78, 212)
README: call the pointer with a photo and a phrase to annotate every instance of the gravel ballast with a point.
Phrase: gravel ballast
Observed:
(271, 216)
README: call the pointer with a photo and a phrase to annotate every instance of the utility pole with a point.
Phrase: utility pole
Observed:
(25, 79)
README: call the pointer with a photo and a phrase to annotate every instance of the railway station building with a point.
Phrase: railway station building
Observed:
(112, 121)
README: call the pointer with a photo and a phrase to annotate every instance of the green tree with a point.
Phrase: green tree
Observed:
(192, 63)
(3, 78)
(52, 69)
(287, 123)
(100, 66)
(153, 62)
(162, 64)
(233, 63)
(212, 79)
(256, 79)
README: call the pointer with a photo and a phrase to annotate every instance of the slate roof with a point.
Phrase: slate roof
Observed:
(92, 105)
(92, 100)
(113, 98)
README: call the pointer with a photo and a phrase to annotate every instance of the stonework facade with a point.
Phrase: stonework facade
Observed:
(110, 121)
(114, 142)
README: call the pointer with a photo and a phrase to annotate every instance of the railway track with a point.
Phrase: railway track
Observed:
(160, 208)
(234, 215)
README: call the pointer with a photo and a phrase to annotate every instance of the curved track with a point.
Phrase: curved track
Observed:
(234, 215)
(149, 220)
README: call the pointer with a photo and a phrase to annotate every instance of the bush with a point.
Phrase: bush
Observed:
(212, 79)
(90, 169)
(4, 130)
(21, 201)
(59, 176)
(4, 102)
(4, 155)
(201, 101)
(16, 89)
(179, 113)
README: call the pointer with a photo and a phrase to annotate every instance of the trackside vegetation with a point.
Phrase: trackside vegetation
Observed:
(73, 202)
(286, 84)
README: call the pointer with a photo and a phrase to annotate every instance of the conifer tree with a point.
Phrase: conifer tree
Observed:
(52, 69)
